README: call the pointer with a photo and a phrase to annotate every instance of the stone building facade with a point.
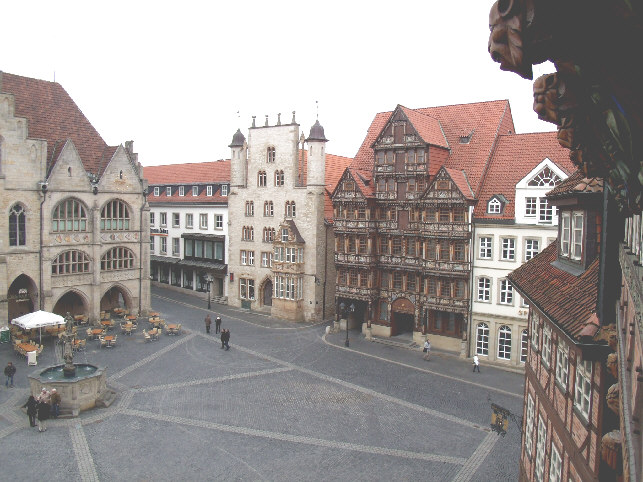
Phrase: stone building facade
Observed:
(189, 226)
(281, 250)
(76, 235)
(512, 222)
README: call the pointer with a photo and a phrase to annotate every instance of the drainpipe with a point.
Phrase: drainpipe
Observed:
(325, 273)
(471, 258)
(43, 191)
(140, 253)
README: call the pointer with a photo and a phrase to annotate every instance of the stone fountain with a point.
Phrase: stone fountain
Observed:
(81, 386)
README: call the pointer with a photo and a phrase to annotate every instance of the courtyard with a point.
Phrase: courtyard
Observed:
(286, 402)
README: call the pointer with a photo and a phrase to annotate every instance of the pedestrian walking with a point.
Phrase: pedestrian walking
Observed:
(225, 339)
(43, 415)
(9, 371)
(208, 322)
(217, 324)
(427, 350)
(476, 364)
(55, 403)
(32, 410)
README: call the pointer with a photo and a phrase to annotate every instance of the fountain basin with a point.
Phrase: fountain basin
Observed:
(78, 393)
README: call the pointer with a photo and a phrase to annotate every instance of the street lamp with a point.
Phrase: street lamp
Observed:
(351, 309)
(209, 279)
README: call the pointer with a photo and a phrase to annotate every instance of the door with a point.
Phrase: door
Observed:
(267, 293)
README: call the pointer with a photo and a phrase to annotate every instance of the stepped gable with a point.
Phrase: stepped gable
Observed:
(568, 300)
(483, 122)
(514, 157)
(52, 115)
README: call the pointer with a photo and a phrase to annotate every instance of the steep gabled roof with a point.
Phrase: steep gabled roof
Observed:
(485, 121)
(516, 156)
(576, 184)
(428, 128)
(459, 178)
(52, 115)
(567, 300)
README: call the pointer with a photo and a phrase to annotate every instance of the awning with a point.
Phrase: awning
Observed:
(164, 259)
(210, 265)
(204, 237)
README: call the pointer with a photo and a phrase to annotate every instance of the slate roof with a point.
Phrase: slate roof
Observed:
(484, 120)
(516, 156)
(568, 300)
(52, 115)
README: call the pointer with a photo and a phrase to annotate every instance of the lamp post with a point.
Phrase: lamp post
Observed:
(209, 279)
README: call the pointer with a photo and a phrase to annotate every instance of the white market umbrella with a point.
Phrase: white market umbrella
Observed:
(38, 319)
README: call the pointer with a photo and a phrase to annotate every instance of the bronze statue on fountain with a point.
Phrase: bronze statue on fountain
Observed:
(69, 370)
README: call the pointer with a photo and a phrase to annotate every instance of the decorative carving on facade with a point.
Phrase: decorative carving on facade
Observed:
(118, 237)
(80, 238)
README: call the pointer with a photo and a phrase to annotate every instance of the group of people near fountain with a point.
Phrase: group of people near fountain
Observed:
(46, 405)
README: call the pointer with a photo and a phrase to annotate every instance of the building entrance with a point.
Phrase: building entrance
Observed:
(402, 317)
(267, 293)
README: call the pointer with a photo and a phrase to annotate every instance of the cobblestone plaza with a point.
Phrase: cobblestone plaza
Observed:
(286, 402)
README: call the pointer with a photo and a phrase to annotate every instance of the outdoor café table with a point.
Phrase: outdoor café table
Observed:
(107, 323)
(154, 314)
(154, 333)
(173, 328)
(109, 339)
(96, 332)
(130, 317)
(27, 347)
(127, 328)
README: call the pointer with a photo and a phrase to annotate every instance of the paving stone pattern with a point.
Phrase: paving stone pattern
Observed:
(286, 402)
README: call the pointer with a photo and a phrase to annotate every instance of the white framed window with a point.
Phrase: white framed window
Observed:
(251, 258)
(208, 190)
(244, 257)
(562, 364)
(262, 179)
(270, 154)
(545, 178)
(176, 246)
(583, 387)
(195, 190)
(168, 191)
(535, 334)
(176, 220)
(268, 208)
(508, 252)
(539, 471)
(189, 221)
(284, 235)
(524, 345)
(484, 289)
(290, 209)
(485, 251)
(250, 208)
(529, 426)
(577, 236)
(163, 245)
(545, 211)
(532, 248)
(157, 191)
(482, 339)
(504, 343)
(181, 190)
(203, 221)
(246, 289)
(224, 189)
(152, 219)
(555, 465)
(565, 233)
(506, 292)
(218, 221)
(494, 206)
(279, 178)
(266, 259)
(163, 220)
(152, 244)
(530, 207)
(546, 350)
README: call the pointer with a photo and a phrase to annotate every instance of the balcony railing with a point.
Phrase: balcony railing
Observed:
(437, 227)
(353, 258)
(386, 195)
(357, 292)
(446, 304)
(354, 224)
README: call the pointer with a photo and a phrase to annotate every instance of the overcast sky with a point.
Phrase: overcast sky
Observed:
(172, 75)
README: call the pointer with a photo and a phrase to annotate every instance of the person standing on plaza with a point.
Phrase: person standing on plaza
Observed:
(9, 371)
(43, 410)
(427, 350)
(217, 325)
(55, 403)
(32, 410)
(208, 322)
(476, 363)
(225, 339)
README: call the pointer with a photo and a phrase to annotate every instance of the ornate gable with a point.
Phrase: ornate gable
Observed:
(449, 185)
(348, 188)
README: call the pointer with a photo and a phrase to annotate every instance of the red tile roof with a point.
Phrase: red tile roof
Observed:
(52, 115)
(427, 127)
(514, 157)
(335, 166)
(575, 184)
(193, 172)
(568, 300)
(460, 180)
(485, 121)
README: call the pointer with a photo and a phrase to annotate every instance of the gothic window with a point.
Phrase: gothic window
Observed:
(268, 235)
(261, 179)
(70, 262)
(504, 343)
(117, 258)
(545, 178)
(69, 215)
(279, 178)
(17, 226)
(482, 339)
(114, 216)
(268, 208)
(247, 233)
(270, 154)
(250, 208)
(290, 209)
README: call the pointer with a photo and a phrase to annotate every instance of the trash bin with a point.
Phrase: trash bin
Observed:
(5, 335)
(31, 358)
